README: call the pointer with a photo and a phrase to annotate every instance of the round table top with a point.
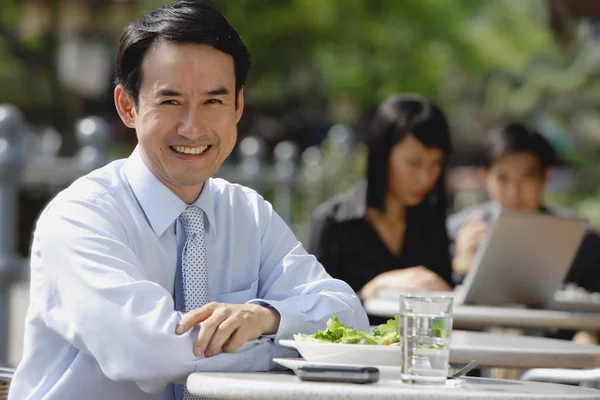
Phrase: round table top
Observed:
(513, 351)
(287, 386)
(479, 317)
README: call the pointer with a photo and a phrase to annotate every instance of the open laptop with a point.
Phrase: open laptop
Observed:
(523, 260)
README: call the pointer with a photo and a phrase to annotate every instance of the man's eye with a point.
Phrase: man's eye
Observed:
(170, 102)
(531, 175)
(213, 101)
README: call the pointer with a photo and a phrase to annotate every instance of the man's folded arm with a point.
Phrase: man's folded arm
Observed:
(296, 284)
(96, 297)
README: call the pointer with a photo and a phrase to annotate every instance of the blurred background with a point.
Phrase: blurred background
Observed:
(320, 69)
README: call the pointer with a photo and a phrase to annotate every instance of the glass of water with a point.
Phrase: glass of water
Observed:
(425, 329)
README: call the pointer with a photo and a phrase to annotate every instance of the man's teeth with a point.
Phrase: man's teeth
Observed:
(189, 150)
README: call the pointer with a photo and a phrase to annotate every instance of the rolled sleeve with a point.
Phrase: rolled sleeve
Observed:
(295, 284)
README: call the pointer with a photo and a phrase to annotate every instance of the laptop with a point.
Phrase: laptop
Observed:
(523, 260)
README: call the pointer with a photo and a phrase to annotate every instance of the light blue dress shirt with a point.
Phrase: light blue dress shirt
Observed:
(101, 321)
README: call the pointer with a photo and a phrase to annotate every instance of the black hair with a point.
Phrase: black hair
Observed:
(398, 116)
(516, 138)
(183, 21)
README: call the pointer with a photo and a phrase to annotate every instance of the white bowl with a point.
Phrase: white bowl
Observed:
(338, 353)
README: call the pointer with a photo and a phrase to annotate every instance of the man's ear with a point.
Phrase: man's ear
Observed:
(546, 172)
(239, 105)
(125, 106)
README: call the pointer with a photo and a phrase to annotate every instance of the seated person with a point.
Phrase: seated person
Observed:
(389, 230)
(517, 166)
(149, 269)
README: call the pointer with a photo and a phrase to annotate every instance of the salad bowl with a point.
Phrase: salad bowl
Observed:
(342, 344)
(359, 354)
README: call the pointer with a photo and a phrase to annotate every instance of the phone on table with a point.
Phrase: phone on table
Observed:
(338, 373)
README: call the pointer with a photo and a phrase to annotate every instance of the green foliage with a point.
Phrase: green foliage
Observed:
(357, 52)
(360, 51)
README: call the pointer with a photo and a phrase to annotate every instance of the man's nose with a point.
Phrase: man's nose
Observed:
(513, 193)
(191, 126)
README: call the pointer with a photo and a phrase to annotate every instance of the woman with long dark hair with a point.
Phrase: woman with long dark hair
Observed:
(389, 230)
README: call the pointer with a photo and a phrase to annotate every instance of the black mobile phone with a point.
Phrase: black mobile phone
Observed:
(338, 373)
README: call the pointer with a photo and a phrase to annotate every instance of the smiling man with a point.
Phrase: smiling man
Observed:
(149, 269)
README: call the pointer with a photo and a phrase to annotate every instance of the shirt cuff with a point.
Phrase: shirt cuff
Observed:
(295, 316)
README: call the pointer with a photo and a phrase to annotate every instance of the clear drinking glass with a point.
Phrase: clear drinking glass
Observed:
(425, 329)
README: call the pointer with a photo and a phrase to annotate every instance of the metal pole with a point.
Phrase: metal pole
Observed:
(310, 184)
(311, 178)
(250, 167)
(286, 155)
(12, 130)
(93, 136)
(341, 137)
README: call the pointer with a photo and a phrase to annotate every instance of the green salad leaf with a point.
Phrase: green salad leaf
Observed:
(439, 329)
(336, 332)
(385, 334)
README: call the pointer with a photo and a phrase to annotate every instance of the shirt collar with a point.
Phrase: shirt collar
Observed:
(158, 202)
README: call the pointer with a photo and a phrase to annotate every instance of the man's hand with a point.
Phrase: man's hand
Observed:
(468, 239)
(231, 323)
(413, 278)
(585, 337)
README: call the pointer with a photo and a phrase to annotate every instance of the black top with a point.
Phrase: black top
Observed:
(585, 269)
(350, 248)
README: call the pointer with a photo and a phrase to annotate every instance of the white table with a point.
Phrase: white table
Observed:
(480, 317)
(500, 350)
(287, 386)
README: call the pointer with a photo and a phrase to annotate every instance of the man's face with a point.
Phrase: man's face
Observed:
(186, 115)
(516, 181)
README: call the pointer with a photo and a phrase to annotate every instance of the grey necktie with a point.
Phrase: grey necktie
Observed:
(193, 261)
(194, 266)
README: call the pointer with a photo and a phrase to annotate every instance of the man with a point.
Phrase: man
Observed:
(517, 166)
(117, 254)
(518, 163)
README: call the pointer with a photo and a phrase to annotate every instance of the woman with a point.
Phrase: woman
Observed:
(389, 231)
